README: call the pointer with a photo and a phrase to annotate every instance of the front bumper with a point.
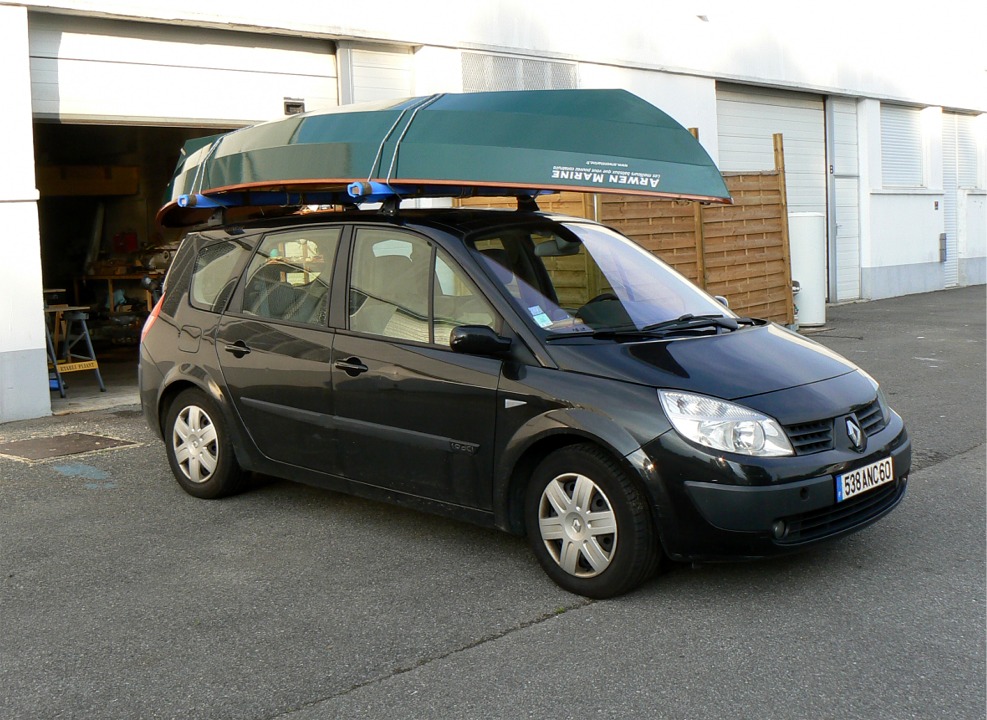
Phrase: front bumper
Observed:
(719, 507)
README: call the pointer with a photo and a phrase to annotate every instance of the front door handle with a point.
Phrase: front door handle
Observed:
(238, 349)
(352, 366)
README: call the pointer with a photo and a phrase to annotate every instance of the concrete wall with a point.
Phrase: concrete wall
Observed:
(903, 255)
(23, 365)
(900, 227)
(972, 237)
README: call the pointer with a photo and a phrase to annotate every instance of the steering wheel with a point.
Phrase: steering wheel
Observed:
(603, 297)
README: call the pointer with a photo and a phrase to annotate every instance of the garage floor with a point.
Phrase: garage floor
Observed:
(118, 367)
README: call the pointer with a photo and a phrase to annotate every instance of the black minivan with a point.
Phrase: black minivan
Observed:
(541, 374)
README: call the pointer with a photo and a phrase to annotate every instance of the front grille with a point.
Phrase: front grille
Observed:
(871, 418)
(811, 437)
(846, 515)
(817, 436)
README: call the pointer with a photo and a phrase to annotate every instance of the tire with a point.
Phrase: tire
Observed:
(199, 448)
(572, 489)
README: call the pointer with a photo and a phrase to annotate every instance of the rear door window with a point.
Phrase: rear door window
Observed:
(288, 278)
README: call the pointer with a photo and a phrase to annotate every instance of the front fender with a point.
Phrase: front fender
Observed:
(537, 437)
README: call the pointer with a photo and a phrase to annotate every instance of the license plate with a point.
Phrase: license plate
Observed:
(863, 479)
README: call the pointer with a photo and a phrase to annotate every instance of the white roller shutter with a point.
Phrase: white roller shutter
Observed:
(748, 117)
(372, 72)
(93, 70)
(901, 147)
(844, 231)
(960, 170)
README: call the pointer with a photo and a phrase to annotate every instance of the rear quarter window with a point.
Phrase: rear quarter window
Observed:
(215, 274)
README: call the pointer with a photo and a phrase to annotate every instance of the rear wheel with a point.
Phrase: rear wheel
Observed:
(588, 524)
(199, 448)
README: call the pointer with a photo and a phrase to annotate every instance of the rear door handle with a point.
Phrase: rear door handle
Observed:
(238, 349)
(352, 366)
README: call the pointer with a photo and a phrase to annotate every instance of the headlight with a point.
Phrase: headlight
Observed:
(722, 425)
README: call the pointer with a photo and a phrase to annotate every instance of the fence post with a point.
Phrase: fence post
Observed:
(697, 209)
(779, 153)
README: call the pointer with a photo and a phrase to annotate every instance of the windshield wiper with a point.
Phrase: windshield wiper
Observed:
(683, 322)
(690, 321)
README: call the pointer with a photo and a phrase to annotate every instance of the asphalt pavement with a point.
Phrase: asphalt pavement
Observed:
(123, 597)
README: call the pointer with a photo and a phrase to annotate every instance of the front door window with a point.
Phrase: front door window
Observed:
(403, 288)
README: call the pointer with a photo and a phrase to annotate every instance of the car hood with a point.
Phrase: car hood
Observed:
(746, 362)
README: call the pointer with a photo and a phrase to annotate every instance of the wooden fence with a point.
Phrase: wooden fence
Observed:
(740, 251)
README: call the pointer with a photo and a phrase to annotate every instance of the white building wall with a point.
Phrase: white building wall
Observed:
(776, 43)
(437, 69)
(691, 101)
(972, 236)
(23, 366)
(900, 226)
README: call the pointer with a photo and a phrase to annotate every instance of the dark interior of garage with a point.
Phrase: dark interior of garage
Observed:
(100, 187)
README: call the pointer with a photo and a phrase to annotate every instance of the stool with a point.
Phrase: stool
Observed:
(53, 363)
(77, 331)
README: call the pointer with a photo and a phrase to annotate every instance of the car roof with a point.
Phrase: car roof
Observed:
(458, 221)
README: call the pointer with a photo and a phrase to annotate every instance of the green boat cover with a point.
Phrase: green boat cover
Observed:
(510, 143)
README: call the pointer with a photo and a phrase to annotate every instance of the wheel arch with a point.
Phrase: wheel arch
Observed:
(548, 433)
(182, 379)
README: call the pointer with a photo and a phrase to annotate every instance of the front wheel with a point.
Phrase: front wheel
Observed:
(588, 524)
(199, 447)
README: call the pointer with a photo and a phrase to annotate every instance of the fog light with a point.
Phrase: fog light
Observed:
(778, 529)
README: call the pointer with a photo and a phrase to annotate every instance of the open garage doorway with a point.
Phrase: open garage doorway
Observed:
(100, 187)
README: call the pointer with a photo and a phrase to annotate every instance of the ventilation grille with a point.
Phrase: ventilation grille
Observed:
(483, 72)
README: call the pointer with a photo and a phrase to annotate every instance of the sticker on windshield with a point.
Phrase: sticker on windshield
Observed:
(540, 316)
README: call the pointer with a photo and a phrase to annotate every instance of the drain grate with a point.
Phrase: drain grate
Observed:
(60, 446)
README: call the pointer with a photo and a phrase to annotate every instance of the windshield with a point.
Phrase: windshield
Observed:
(573, 278)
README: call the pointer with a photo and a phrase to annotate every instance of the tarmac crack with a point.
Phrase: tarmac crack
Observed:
(423, 662)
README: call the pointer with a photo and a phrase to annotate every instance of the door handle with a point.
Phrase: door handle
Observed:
(352, 366)
(238, 349)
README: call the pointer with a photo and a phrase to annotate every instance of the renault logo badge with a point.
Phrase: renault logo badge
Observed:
(855, 434)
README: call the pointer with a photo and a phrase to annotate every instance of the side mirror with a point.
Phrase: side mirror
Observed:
(722, 300)
(477, 340)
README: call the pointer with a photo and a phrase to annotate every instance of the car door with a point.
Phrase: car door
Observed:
(411, 414)
(275, 345)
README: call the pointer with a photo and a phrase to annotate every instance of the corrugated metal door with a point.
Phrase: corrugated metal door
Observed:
(374, 72)
(114, 72)
(844, 226)
(748, 117)
(959, 170)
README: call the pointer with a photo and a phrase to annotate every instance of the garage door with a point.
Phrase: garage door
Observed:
(959, 170)
(92, 70)
(747, 118)
(844, 230)
(374, 72)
